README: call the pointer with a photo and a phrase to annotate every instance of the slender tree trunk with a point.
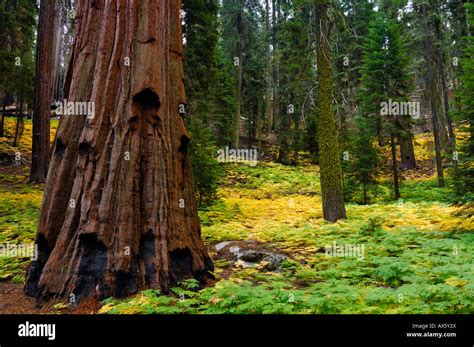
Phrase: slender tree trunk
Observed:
(444, 87)
(259, 126)
(19, 123)
(438, 83)
(379, 132)
(396, 184)
(449, 120)
(43, 92)
(240, 56)
(275, 112)
(284, 127)
(119, 212)
(431, 88)
(438, 156)
(329, 156)
(2, 123)
(365, 193)
(269, 73)
(58, 46)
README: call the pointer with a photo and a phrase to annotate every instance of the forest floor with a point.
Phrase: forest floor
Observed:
(409, 256)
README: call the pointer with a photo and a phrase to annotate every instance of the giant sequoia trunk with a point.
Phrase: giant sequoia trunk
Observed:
(118, 212)
(329, 156)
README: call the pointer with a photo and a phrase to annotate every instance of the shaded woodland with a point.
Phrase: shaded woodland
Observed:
(237, 156)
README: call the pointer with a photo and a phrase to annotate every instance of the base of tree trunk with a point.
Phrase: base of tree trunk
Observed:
(93, 278)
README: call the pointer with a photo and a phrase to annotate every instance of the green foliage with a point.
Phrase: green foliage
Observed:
(420, 249)
(19, 213)
(296, 79)
(351, 30)
(17, 25)
(190, 284)
(12, 268)
(224, 93)
(364, 164)
(201, 33)
(202, 73)
(392, 271)
(207, 171)
(417, 255)
(384, 76)
(373, 226)
(465, 180)
(272, 180)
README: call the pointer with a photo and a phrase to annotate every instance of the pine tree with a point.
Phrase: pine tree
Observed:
(254, 87)
(365, 160)
(223, 91)
(17, 24)
(352, 29)
(465, 181)
(201, 76)
(243, 27)
(369, 124)
(384, 78)
(296, 78)
(201, 36)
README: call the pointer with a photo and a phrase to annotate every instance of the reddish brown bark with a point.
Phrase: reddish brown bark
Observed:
(43, 92)
(128, 229)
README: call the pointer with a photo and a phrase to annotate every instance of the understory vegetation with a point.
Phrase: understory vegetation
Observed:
(417, 251)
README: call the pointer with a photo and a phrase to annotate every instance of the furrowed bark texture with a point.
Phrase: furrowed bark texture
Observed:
(119, 213)
(329, 158)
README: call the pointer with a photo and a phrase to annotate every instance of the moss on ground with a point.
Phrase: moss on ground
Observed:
(417, 252)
